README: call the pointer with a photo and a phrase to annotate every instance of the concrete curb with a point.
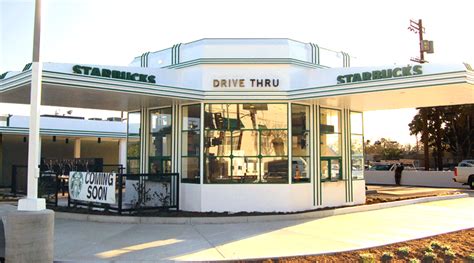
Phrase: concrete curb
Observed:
(248, 219)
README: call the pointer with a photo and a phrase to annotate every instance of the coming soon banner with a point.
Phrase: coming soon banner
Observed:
(96, 187)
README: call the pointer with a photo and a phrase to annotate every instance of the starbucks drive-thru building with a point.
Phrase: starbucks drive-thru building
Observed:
(249, 124)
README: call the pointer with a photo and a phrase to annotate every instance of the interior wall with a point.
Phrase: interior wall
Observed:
(14, 151)
(108, 150)
(56, 149)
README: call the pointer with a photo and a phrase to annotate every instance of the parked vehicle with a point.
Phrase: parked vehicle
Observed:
(464, 173)
(382, 167)
(390, 167)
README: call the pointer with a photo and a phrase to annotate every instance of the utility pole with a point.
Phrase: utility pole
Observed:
(425, 45)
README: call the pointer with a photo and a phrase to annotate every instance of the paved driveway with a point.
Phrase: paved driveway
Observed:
(90, 241)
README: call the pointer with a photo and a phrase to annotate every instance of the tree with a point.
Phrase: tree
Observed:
(445, 128)
(385, 149)
(419, 125)
(459, 131)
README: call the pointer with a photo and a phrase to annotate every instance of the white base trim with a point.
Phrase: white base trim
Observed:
(31, 204)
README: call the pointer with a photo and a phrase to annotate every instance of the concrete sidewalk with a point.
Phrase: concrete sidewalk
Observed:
(91, 241)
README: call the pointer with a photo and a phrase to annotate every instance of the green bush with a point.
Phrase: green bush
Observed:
(435, 244)
(429, 257)
(387, 256)
(428, 249)
(445, 247)
(403, 251)
(470, 258)
(449, 255)
(366, 258)
(413, 260)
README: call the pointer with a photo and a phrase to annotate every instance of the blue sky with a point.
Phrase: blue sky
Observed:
(113, 32)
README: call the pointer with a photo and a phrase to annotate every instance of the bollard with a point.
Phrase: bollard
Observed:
(29, 236)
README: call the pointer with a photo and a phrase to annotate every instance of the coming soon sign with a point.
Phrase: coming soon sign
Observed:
(92, 186)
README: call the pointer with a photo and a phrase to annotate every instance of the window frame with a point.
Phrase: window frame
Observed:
(139, 143)
(290, 143)
(196, 180)
(162, 159)
(259, 155)
(330, 158)
(363, 145)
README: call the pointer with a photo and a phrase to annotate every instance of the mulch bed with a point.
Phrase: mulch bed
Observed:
(460, 242)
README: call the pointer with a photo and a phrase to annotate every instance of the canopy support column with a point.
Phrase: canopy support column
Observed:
(32, 202)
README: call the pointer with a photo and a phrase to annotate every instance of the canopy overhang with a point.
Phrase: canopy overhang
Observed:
(67, 90)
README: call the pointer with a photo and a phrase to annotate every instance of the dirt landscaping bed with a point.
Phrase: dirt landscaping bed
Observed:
(452, 247)
(375, 198)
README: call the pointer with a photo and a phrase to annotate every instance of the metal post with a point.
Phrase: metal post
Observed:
(32, 202)
(123, 152)
(420, 35)
(120, 191)
(14, 175)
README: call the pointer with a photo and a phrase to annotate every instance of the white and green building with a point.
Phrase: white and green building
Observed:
(249, 124)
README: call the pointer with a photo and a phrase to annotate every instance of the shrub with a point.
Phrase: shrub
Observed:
(449, 255)
(387, 256)
(366, 258)
(445, 247)
(435, 244)
(428, 249)
(429, 257)
(413, 260)
(403, 251)
(470, 258)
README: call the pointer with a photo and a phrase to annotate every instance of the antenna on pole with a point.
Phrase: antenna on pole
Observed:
(425, 45)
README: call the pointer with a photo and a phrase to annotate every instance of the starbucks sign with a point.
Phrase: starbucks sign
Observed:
(96, 187)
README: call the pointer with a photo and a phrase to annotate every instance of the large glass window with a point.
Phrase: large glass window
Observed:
(160, 141)
(190, 143)
(330, 129)
(133, 142)
(246, 143)
(300, 143)
(357, 145)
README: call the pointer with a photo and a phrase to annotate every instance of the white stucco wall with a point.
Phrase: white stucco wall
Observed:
(257, 197)
(358, 187)
(415, 178)
(265, 197)
(333, 194)
(190, 197)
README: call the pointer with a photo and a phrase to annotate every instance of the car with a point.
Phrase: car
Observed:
(464, 173)
(382, 167)
(466, 163)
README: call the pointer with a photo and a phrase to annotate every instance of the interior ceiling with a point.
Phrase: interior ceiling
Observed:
(382, 100)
